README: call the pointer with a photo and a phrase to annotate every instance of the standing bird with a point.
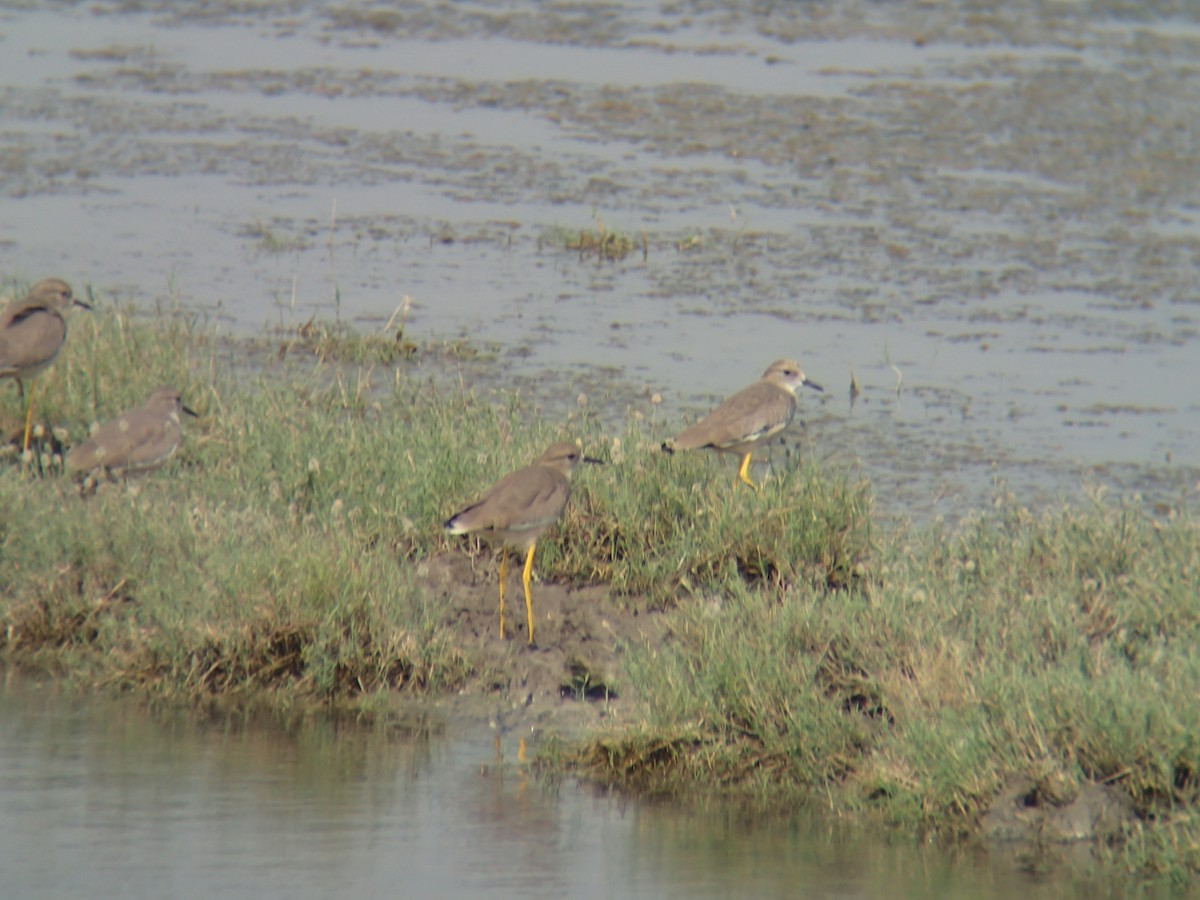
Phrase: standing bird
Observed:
(32, 331)
(748, 418)
(137, 440)
(519, 507)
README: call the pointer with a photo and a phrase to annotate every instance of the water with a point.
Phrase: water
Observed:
(989, 220)
(100, 798)
(996, 214)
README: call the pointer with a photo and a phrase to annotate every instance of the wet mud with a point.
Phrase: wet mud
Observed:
(570, 681)
(1025, 811)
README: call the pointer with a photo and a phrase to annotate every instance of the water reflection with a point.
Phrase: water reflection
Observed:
(100, 798)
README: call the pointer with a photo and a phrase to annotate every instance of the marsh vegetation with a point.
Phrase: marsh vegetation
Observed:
(913, 676)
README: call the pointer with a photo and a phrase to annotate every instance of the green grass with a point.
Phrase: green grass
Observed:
(599, 242)
(1055, 648)
(666, 527)
(271, 242)
(332, 342)
(273, 552)
(905, 676)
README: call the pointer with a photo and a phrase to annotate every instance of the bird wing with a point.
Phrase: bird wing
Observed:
(526, 499)
(756, 412)
(134, 440)
(30, 335)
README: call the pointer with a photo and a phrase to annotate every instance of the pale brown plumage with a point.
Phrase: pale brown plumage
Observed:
(748, 418)
(137, 440)
(518, 508)
(32, 331)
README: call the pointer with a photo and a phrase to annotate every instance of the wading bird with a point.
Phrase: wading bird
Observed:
(750, 417)
(32, 331)
(518, 508)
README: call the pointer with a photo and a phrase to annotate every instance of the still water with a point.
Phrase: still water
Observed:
(100, 798)
(989, 221)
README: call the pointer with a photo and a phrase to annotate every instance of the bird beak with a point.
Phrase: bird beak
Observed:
(593, 461)
(75, 301)
(189, 411)
(813, 385)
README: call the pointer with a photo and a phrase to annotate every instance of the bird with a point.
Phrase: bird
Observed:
(519, 507)
(750, 417)
(32, 331)
(136, 441)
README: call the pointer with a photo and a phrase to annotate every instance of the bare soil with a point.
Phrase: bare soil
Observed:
(1036, 827)
(571, 679)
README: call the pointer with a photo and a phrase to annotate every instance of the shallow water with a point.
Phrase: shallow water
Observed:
(99, 798)
(998, 214)
(991, 217)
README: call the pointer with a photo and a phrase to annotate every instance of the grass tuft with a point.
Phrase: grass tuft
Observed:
(1051, 648)
(599, 242)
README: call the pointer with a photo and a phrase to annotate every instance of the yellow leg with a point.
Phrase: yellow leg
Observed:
(525, 581)
(744, 470)
(503, 560)
(29, 416)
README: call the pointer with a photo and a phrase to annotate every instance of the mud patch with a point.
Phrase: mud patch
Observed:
(1037, 825)
(572, 678)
